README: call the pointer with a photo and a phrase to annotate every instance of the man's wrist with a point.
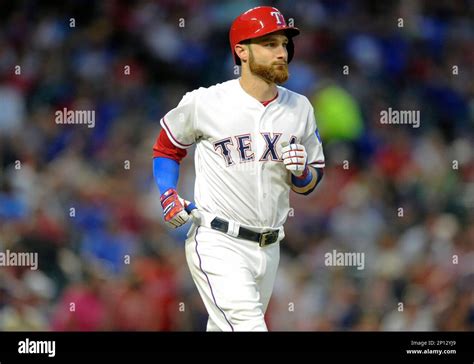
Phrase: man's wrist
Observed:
(305, 173)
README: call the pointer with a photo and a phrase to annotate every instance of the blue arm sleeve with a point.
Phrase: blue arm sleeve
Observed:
(166, 173)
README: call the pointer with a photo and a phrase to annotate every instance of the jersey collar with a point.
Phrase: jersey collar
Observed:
(253, 101)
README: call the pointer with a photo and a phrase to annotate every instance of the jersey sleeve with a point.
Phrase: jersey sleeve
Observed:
(179, 123)
(312, 142)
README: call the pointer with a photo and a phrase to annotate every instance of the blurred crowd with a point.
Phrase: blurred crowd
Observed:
(84, 198)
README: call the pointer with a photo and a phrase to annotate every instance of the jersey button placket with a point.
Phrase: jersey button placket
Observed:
(261, 148)
(263, 127)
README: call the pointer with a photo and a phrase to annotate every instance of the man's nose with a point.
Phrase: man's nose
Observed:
(282, 53)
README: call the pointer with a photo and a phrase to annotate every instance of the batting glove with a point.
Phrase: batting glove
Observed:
(295, 158)
(176, 210)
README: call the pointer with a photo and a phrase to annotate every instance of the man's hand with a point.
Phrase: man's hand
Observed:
(295, 158)
(175, 209)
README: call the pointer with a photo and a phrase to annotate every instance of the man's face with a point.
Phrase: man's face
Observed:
(268, 58)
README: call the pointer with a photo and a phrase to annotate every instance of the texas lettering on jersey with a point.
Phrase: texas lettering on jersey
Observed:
(243, 144)
(231, 128)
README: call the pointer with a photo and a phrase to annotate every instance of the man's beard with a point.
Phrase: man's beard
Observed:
(270, 74)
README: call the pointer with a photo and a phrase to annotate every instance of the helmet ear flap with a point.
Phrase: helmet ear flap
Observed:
(290, 48)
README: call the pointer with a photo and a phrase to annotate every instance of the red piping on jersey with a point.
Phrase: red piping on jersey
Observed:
(172, 136)
(318, 162)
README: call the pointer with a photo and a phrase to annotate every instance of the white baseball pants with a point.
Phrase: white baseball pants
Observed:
(234, 277)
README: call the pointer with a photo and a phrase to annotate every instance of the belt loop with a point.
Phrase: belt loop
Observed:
(233, 229)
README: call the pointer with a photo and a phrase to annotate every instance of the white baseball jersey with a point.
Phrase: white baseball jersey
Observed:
(239, 172)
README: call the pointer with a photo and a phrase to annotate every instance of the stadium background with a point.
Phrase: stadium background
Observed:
(84, 198)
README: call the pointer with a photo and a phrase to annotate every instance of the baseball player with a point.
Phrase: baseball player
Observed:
(255, 141)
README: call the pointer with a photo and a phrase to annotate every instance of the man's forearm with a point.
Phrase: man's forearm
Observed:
(166, 173)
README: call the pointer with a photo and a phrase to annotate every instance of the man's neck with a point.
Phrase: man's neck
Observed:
(258, 88)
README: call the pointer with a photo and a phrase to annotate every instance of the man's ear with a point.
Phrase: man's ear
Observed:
(242, 51)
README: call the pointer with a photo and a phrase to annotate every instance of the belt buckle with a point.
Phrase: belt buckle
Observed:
(266, 239)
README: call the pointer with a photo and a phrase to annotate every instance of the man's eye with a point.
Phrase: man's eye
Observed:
(270, 44)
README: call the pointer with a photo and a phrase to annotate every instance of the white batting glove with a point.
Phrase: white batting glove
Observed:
(294, 157)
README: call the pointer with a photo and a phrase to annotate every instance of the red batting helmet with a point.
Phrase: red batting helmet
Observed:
(258, 22)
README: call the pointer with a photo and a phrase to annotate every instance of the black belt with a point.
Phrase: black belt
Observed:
(263, 239)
